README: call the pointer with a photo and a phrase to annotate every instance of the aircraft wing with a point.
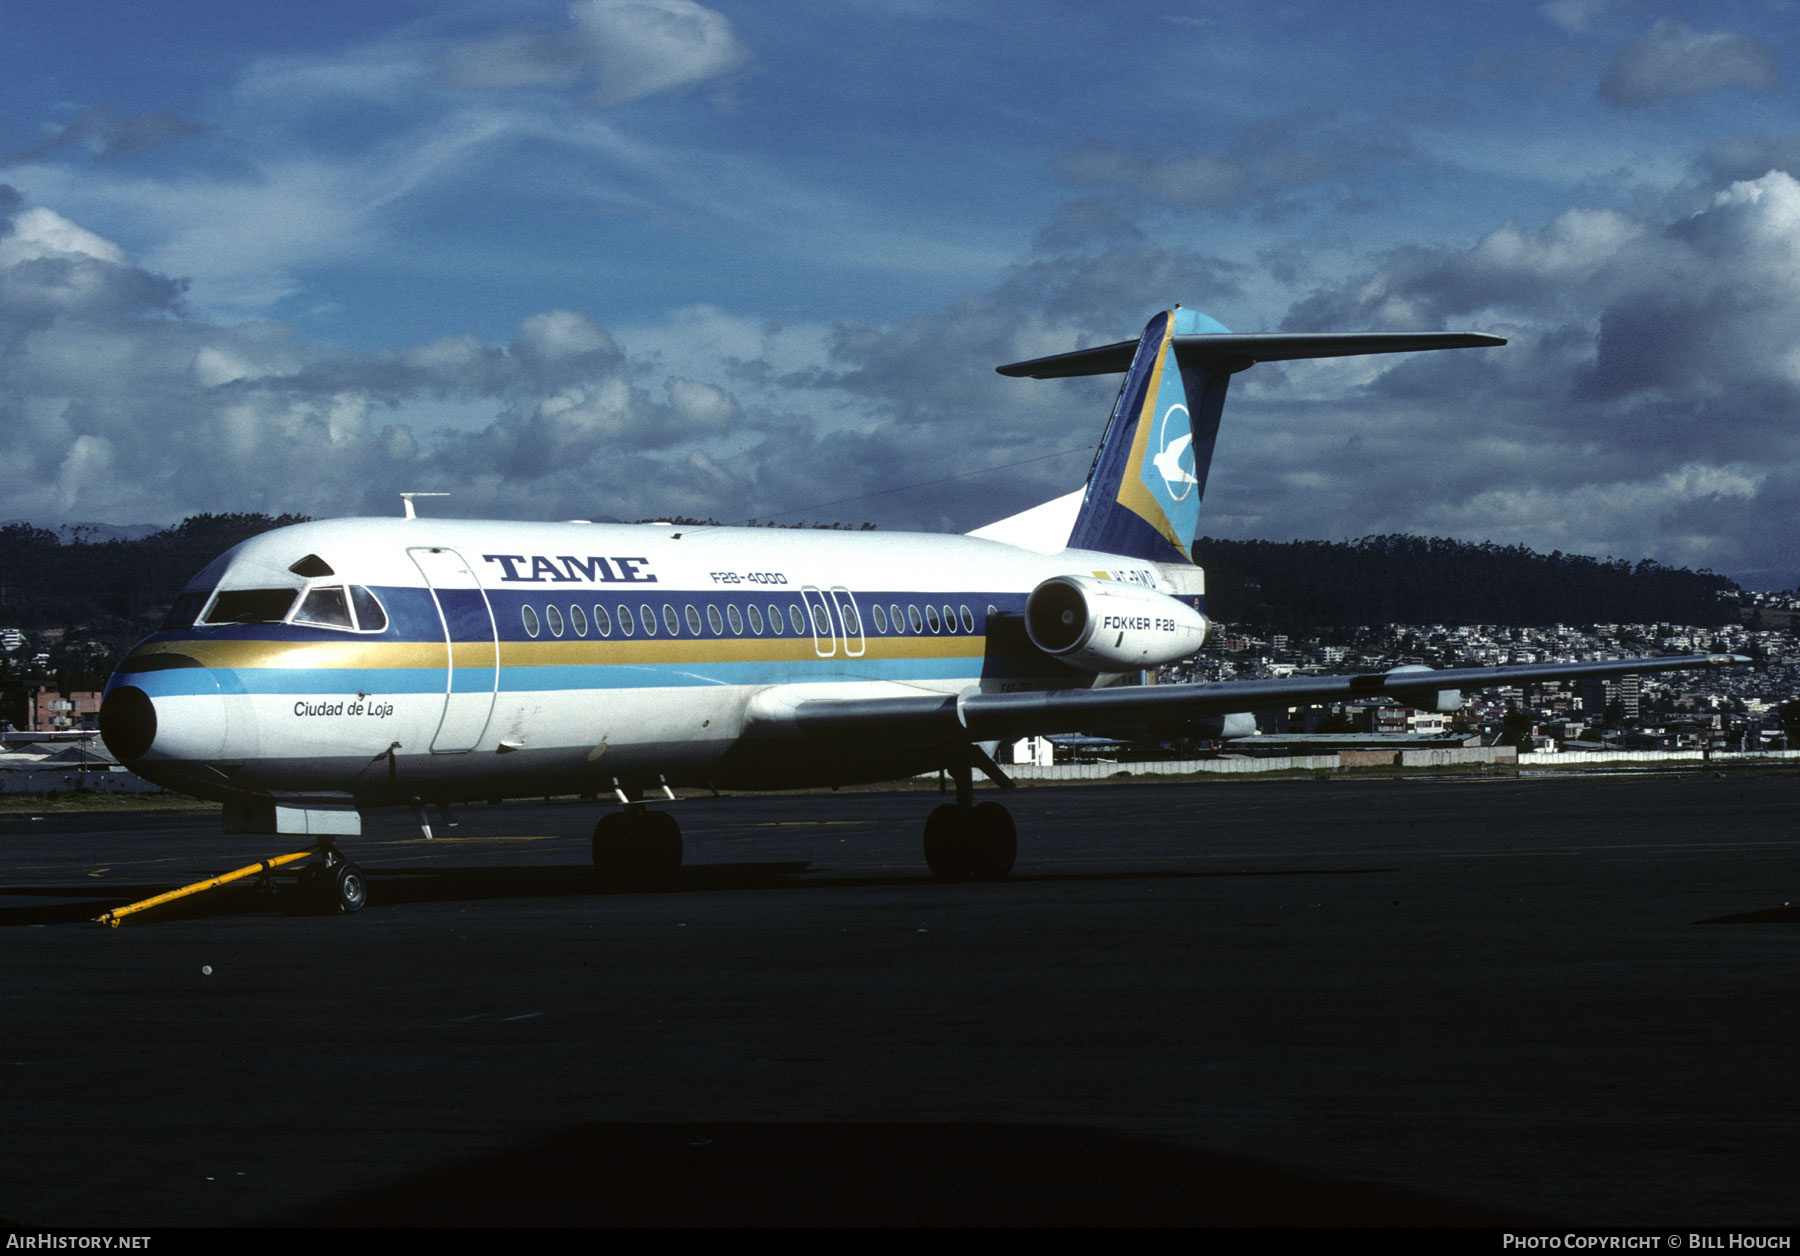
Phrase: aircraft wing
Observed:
(977, 716)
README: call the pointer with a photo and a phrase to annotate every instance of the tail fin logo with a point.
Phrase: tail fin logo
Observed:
(1176, 461)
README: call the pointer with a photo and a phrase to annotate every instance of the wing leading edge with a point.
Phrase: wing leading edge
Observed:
(976, 716)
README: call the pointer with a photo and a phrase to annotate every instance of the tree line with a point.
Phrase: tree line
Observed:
(1395, 579)
(111, 590)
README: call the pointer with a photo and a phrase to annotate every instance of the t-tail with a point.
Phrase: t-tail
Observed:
(1147, 480)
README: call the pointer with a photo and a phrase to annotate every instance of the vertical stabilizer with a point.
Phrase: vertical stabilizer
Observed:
(1144, 490)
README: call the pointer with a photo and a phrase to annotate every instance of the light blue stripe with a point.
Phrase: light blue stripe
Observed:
(377, 680)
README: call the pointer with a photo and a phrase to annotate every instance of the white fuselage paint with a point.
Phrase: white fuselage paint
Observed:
(286, 708)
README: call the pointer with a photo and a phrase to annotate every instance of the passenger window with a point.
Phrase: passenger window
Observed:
(251, 606)
(648, 617)
(369, 615)
(626, 627)
(755, 619)
(602, 621)
(775, 620)
(670, 622)
(531, 620)
(968, 620)
(693, 620)
(949, 620)
(852, 627)
(880, 618)
(578, 618)
(714, 622)
(555, 618)
(894, 614)
(799, 623)
(737, 620)
(821, 622)
(912, 617)
(327, 607)
(931, 618)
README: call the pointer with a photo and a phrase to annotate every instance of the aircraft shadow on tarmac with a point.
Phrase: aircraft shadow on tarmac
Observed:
(889, 1174)
(394, 887)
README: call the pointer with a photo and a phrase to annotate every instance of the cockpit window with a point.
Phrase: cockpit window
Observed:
(369, 615)
(251, 606)
(326, 607)
(185, 611)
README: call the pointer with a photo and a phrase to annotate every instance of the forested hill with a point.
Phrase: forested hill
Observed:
(1433, 580)
(114, 588)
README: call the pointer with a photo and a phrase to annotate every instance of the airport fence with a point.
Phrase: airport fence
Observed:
(1350, 760)
(73, 781)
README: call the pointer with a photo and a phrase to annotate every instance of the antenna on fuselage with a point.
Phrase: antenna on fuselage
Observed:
(406, 499)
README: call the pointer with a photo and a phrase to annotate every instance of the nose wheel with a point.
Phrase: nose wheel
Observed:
(334, 887)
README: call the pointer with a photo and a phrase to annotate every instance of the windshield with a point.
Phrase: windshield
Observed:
(185, 611)
(329, 606)
(251, 606)
(326, 607)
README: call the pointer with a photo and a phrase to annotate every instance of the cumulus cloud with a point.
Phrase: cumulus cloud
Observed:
(120, 404)
(1643, 406)
(1672, 61)
(627, 49)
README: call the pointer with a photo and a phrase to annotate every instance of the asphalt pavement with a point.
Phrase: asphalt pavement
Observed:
(1474, 1000)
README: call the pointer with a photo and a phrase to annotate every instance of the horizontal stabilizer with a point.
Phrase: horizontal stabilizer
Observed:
(1231, 351)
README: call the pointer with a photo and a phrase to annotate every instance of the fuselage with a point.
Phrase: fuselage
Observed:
(384, 661)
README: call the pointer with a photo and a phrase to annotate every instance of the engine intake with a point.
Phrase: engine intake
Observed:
(1109, 626)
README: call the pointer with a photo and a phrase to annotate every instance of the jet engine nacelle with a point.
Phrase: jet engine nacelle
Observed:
(1109, 626)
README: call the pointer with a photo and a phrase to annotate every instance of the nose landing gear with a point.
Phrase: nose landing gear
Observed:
(334, 886)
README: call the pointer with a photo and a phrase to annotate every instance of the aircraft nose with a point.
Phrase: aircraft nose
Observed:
(128, 723)
(163, 707)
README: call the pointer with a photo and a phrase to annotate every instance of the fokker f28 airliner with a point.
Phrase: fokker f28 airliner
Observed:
(319, 670)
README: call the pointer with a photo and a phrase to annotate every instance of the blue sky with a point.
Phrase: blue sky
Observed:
(624, 258)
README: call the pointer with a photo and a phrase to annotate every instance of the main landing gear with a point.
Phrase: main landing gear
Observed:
(637, 848)
(969, 842)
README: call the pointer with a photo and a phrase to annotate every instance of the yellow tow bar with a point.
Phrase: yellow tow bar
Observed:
(112, 918)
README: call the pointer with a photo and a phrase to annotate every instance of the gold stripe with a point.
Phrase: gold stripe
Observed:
(309, 654)
(352, 655)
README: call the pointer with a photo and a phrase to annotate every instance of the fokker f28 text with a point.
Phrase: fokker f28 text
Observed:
(319, 670)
